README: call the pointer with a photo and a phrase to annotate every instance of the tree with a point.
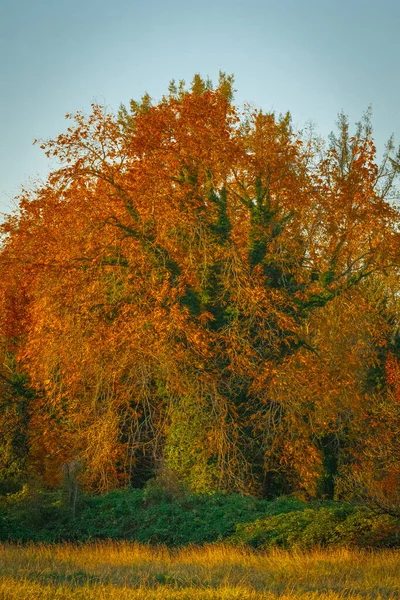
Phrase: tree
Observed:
(171, 267)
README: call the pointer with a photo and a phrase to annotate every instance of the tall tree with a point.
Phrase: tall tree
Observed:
(161, 283)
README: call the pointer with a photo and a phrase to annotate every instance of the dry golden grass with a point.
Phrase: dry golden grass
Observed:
(122, 571)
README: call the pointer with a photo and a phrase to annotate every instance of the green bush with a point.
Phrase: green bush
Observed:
(33, 514)
(178, 519)
(153, 515)
(340, 525)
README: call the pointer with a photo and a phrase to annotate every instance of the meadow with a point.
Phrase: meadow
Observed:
(122, 570)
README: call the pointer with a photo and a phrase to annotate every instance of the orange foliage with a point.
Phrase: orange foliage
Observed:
(182, 247)
(393, 374)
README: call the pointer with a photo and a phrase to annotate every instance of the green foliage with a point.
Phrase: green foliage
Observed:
(187, 449)
(333, 525)
(15, 396)
(153, 515)
(33, 514)
(176, 518)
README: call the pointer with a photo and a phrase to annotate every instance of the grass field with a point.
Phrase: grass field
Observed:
(122, 571)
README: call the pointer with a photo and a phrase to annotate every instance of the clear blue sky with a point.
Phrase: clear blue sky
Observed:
(312, 57)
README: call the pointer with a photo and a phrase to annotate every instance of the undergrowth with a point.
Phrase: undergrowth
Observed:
(151, 516)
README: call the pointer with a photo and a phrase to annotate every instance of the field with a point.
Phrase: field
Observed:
(120, 570)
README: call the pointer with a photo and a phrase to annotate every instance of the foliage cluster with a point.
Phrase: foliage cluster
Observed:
(203, 288)
(148, 516)
(341, 525)
(156, 518)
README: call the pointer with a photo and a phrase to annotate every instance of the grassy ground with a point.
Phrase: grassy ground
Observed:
(120, 570)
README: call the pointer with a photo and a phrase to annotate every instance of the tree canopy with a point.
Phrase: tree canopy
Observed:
(204, 288)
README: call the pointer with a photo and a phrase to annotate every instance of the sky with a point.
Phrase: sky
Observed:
(314, 58)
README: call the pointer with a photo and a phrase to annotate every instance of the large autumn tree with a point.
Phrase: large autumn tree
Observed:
(178, 267)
